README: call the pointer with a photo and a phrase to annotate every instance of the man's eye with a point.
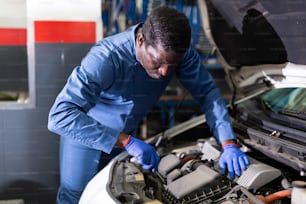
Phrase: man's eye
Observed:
(155, 63)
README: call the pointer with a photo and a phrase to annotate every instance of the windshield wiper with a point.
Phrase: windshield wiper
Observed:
(297, 114)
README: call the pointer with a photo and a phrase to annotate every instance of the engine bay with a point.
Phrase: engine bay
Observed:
(190, 174)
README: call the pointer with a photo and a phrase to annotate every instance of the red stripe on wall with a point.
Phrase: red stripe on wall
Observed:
(13, 36)
(65, 32)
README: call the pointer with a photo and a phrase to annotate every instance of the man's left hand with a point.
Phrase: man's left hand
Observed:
(233, 160)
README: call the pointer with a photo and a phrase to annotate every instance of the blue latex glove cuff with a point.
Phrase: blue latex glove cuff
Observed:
(144, 153)
(233, 160)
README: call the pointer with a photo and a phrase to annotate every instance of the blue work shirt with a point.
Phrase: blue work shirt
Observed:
(110, 92)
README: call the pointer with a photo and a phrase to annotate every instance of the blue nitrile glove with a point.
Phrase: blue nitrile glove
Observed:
(233, 160)
(144, 153)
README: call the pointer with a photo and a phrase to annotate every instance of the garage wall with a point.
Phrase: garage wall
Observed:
(28, 151)
(13, 50)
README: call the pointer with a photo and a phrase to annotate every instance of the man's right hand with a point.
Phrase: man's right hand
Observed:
(144, 153)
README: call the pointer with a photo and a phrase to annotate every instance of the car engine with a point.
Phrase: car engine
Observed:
(191, 174)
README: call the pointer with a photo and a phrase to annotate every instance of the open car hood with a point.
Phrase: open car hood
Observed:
(260, 44)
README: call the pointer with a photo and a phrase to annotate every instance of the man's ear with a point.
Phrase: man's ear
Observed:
(139, 39)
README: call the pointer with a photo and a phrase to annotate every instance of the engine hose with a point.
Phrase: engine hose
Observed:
(274, 196)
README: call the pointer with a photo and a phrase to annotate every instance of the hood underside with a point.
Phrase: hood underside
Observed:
(258, 42)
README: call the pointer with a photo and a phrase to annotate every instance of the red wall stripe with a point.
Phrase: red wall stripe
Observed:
(65, 32)
(13, 36)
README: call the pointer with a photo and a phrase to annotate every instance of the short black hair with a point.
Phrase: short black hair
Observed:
(168, 27)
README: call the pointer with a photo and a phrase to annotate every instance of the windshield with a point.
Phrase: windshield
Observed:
(286, 100)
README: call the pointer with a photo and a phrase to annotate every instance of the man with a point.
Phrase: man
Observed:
(118, 81)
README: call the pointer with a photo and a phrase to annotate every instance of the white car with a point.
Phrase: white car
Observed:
(262, 46)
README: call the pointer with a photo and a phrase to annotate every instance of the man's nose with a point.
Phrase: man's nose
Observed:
(164, 70)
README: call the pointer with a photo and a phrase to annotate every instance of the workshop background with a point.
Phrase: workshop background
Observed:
(41, 41)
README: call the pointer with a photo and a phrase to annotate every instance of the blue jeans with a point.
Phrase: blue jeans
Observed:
(78, 165)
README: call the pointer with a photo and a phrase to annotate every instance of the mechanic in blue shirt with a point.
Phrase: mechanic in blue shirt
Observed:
(117, 83)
